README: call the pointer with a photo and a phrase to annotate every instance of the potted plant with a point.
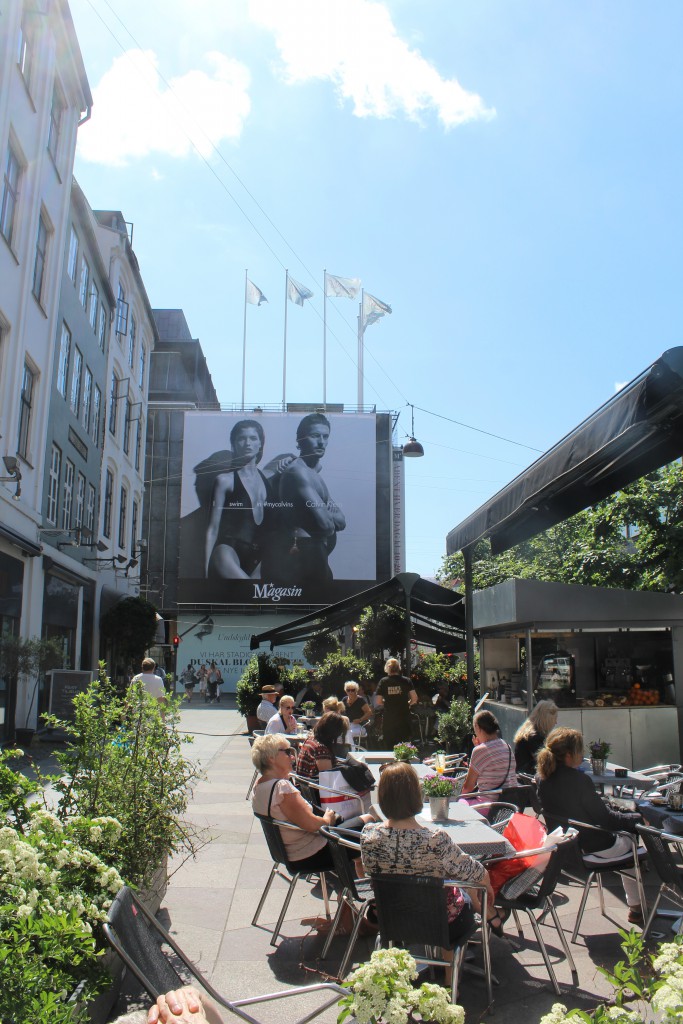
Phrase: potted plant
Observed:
(455, 725)
(405, 751)
(599, 751)
(439, 789)
(260, 671)
(308, 708)
(32, 657)
(381, 990)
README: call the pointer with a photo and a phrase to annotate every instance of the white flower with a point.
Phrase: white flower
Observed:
(557, 1015)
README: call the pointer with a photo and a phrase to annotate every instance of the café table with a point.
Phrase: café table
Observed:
(610, 779)
(661, 816)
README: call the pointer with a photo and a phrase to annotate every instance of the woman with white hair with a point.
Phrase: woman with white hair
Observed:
(356, 708)
(531, 735)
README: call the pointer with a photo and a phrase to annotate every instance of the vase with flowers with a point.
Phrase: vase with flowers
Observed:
(599, 751)
(405, 751)
(439, 789)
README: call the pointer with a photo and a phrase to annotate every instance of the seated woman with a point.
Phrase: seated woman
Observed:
(317, 753)
(531, 735)
(491, 764)
(357, 709)
(274, 795)
(283, 720)
(566, 793)
(400, 846)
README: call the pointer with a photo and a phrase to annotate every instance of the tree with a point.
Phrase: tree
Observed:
(633, 540)
(131, 627)
(336, 669)
(382, 629)
(319, 646)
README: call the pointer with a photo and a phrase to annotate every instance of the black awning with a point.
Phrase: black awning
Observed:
(26, 546)
(438, 614)
(635, 432)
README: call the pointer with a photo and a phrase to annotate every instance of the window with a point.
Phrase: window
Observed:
(141, 368)
(96, 415)
(101, 327)
(76, 382)
(72, 261)
(131, 341)
(108, 499)
(53, 485)
(25, 51)
(126, 424)
(90, 510)
(87, 399)
(80, 501)
(121, 313)
(138, 442)
(68, 495)
(64, 356)
(55, 127)
(25, 406)
(113, 406)
(85, 281)
(93, 302)
(41, 257)
(10, 195)
(123, 515)
(134, 527)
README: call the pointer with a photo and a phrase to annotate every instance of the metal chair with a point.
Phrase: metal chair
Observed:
(597, 869)
(255, 733)
(278, 851)
(497, 814)
(311, 791)
(411, 910)
(665, 851)
(138, 937)
(536, 893)
(356, 892)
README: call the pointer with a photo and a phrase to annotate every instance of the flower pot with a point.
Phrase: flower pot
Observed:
(438, 806)
(252, 723)
(24, 737)
(598, 765)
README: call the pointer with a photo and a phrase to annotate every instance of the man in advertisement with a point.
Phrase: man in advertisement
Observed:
(305, 534)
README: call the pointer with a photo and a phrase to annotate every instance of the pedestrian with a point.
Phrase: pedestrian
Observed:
(201, 677)
(187, 677)
(151, 682)
(395, 695)
(219, 683)
(212, 682)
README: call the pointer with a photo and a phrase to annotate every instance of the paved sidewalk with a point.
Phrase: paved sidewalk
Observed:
(211, 900)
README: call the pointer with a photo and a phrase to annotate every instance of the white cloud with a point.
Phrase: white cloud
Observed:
(135, 114)
(620, 384)
(354, 44)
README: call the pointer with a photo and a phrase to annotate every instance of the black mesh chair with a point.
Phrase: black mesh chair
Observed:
(497, 814)
(665, 852)
(278, 851)
(356, 892)
(535, 893)
(411, 911)
(138, 938)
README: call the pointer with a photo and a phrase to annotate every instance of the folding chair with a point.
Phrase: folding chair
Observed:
(278, 851)
(665, 851)
(411, 910)
(137, 937)
(532, 891)
(356, 893)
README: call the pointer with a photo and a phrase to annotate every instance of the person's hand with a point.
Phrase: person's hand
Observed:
(330, 817)
(182, 1006)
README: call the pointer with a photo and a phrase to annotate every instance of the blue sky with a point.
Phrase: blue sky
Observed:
(506, 176)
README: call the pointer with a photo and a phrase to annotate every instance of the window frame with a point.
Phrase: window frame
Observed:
(113, 403)
(26, 398)
(54, 131)
(67, 494)
(123, 516)
(72, 259)
(79, 505)
(11, 192)
(96, 414)
(40, 259)
(86, 402)
(107, 504)
(25, 51)
(83, 288)
(90, 507)
(76, 382)
(54, 476)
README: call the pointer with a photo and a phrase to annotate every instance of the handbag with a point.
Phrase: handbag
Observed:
(357, 774)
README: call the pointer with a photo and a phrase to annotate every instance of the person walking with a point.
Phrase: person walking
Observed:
(187, 677)
(151, 682)
(395, 695)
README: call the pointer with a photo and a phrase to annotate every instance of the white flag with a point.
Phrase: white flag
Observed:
(298, 293)
(254, 295)
(373, 309)
(342, 287)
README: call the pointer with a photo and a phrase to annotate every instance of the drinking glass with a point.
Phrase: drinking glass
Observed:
(439, 763)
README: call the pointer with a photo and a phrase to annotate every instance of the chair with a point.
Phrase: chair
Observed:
(255, 733)
(535, 894)
(356, 892)
(664, 851)
(411, 910)
(497, 814)
(137, 937)
(311, 791)
(278, 851)
(596, 869)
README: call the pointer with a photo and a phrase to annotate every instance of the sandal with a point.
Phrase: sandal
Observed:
(497, 922)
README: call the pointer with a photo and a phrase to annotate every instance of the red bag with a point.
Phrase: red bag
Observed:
(524, 833)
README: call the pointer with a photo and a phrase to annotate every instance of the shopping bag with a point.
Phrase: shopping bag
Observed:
(523, 832)
(343, 799)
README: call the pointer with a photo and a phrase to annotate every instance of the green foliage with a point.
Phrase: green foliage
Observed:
(294, 679)
(382, 629)
(262, 670)
(455, 725)
(431, 670)
(318, 647)
(590, 548)
(125, 760)
(131, 626)
(337, 668)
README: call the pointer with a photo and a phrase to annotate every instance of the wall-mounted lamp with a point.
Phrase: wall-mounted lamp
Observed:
(121, 559)
(412, 449)
(139, 546)
(14, 470)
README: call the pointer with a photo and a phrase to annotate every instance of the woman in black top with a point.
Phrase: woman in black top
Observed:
(395, 694)
(531, 735)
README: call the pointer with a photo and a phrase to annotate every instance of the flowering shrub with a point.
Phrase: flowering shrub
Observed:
(381, 992)
(405, 751)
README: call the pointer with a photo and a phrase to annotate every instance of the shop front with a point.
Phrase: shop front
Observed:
(612, 660)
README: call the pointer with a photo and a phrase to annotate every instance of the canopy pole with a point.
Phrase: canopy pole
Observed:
(469, 623)
(529, 674)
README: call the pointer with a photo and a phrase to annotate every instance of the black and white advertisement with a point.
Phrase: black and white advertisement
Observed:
(282, 508)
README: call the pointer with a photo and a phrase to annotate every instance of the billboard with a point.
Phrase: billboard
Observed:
(284, 508)
(225, 639)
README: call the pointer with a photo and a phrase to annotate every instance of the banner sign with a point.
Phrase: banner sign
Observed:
(283, 508)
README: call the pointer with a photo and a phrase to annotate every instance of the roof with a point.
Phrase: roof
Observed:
(635, 432)
(438, 614)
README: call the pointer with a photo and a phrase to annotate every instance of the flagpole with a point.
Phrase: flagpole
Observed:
(324, 337)
(284, 352)
(244, 340)
(360, 351)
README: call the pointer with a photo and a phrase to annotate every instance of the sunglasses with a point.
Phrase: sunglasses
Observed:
(288, 750)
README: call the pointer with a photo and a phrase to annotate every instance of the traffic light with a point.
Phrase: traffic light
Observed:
(176, 641)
